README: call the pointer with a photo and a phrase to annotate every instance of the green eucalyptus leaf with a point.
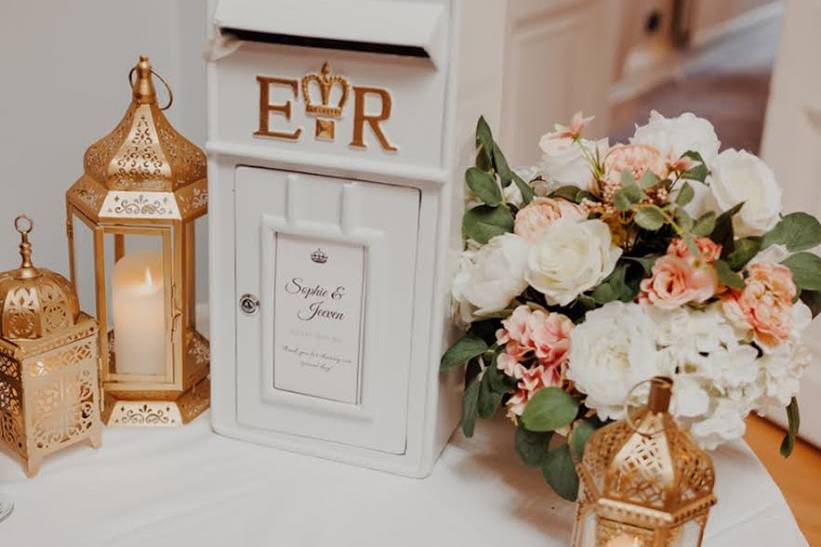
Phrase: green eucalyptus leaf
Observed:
(621, 202)
(723, 231)
(485, 222)
(806, 270)
(650, 218)
(489, 399)
(627, 178)
(745, 250)
(648, 180)
(797, 231)
(462, 351)
(470, 407)
(813, 301)
(615, 287)
(727, 276)
(705, 224)
(484, 186)
(549, 409)
(502, 167)
(568, 192)
(531, 446)
(524, 188)
(484, 137)
(793, 423)
(697, 172)
(560, 472)
(685, 195)
(683, 219)
(579, 435)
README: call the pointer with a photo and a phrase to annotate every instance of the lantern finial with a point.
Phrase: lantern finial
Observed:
(24, 225)
(660, 392)
(144, 92)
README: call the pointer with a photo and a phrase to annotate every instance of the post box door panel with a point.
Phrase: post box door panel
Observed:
(325, 282)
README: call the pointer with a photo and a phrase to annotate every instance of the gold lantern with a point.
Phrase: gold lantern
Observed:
(643, 481)
(142, 189)
(49, 392)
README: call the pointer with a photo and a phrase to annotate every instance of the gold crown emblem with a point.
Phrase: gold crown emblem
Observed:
(325, 81)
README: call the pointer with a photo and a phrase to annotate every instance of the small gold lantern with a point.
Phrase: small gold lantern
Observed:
(643, 481)
(49, 392)
(142, 189)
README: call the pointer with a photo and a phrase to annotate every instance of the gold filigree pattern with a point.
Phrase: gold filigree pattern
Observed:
(34, 308)
(49, 392)
(145, 414)
(141, 205)
(198, 348)
(64, 409)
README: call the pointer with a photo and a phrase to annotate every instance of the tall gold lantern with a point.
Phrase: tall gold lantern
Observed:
(142, 188)
(49, 393)
(643, 481)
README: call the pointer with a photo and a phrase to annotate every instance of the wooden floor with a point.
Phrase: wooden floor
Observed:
(728, 83)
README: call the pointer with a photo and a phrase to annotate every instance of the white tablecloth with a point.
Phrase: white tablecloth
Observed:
(189, 486)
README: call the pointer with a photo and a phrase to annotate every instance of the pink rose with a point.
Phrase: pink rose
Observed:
(638, 158)
(709, 251)
(515, 334)
(531, 380)
(764, 305)
(675, 282)
(535, 217)
(550, 336)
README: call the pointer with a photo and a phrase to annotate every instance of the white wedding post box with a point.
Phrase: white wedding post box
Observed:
(339, 133)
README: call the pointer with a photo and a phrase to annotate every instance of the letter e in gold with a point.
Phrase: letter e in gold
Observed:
(266, 108)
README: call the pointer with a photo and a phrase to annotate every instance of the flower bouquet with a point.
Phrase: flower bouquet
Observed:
(609, 265)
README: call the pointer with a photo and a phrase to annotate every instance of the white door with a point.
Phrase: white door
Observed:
(792, 142)
(331, 263)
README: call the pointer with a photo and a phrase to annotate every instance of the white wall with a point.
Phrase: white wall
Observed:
(63, 69)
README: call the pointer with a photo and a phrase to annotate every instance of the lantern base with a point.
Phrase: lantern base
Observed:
(154, 413)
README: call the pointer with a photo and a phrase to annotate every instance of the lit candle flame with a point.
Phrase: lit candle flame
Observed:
(149, 281)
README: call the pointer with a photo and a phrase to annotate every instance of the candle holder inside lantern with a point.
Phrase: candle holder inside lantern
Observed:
(143, 187)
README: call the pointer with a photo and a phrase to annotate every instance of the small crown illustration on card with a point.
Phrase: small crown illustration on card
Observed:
(325, 81)
(319, 256)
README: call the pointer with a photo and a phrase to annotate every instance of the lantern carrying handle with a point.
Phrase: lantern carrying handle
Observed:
(167, 87)
(658, 380)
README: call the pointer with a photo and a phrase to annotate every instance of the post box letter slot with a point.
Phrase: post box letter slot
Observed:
(406, 28)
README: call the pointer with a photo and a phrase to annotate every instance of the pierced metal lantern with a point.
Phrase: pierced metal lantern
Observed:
(643, 481)
(49, 390)
(143, 187)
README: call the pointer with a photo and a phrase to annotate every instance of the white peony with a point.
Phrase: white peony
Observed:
(612, 351)
(739, 176)
(724, 423)
(675, 136)
(564, 162)
(571, 257)
(487, 279)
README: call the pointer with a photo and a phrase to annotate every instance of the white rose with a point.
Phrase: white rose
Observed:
(570, 258)
(612, 351)
(490, 277)
(564, 162)
(675, 136)
(739, 176)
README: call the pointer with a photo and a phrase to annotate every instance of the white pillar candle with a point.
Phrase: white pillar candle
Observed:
(138, 306)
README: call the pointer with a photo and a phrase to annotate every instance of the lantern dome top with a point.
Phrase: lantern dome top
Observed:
(34, 302)
(647, 461)
(144, 168)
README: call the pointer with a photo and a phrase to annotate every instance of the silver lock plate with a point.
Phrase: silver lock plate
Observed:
(249, 304)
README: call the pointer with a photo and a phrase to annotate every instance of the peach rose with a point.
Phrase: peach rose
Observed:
(675, 282)
(536, 216)
(709, 251)
(764, 306)
(638, 158)
(515, 334)
(531, 380)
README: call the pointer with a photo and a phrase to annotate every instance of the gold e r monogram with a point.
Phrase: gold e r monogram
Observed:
(266, 108)
(360, 118)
